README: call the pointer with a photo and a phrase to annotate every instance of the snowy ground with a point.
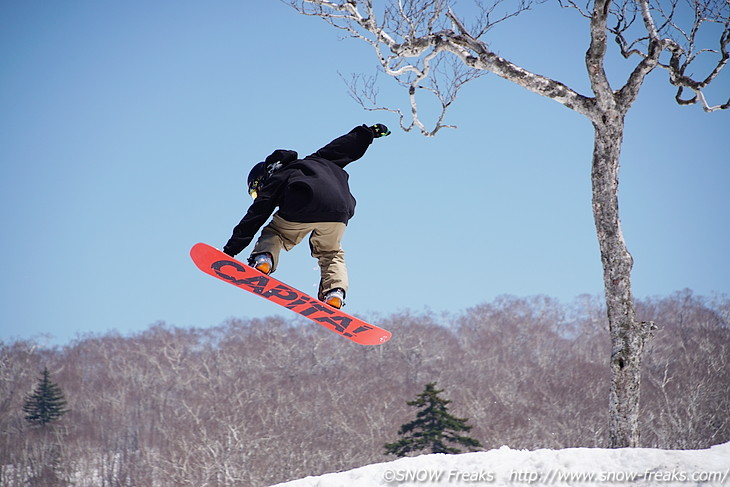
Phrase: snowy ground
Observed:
(569, 467)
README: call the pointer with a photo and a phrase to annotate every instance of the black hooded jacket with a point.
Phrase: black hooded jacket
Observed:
(313, 189)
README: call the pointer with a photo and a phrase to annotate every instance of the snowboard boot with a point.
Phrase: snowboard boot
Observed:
(262, 262)
(335, 298)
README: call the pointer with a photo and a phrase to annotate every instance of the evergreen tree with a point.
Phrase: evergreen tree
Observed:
(433, 427)
(46, 404)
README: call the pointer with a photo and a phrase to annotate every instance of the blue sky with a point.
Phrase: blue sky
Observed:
(127, 130)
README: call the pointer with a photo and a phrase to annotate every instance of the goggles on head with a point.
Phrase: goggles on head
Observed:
(255, 186)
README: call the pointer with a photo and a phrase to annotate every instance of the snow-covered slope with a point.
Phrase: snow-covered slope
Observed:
(569, 467)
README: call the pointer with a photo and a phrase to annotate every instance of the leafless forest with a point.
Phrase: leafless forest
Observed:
(256, 402)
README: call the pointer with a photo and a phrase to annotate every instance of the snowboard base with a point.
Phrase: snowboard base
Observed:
(217, 264)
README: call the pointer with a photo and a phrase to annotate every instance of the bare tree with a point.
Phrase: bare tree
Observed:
(427, 47)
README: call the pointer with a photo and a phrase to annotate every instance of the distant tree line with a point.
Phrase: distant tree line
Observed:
(256, 402)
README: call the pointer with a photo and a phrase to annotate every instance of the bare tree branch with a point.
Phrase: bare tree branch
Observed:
(412, 50)
(663, 33)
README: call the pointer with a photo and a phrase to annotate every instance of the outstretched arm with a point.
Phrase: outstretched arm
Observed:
(351, 146)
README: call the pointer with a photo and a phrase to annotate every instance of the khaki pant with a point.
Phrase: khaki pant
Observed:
(325, 241)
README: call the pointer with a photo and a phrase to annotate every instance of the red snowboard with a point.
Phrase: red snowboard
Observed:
(214, 262)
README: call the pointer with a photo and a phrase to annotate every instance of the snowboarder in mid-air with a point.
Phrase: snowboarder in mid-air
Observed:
(313, 197)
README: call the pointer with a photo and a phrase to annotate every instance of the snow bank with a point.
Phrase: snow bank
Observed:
(569, 467)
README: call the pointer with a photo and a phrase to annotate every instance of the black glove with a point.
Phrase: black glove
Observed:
(228, 251)
(380, 130)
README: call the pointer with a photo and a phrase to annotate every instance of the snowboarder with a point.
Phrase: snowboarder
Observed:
(313, 197)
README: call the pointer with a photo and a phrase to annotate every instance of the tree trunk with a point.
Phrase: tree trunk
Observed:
(627, 335)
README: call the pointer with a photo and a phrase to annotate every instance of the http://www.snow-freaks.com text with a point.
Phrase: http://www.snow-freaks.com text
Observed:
(553, 476)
